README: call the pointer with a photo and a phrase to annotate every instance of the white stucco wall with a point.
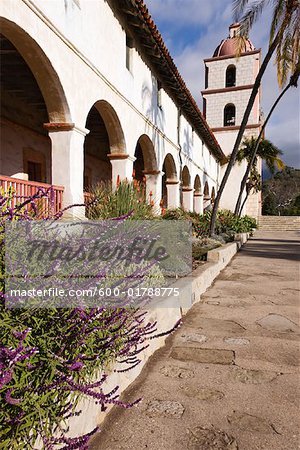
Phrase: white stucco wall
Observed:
(232, 188)
(86, 47)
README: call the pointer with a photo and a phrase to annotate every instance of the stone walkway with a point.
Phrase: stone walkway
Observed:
(228, 378)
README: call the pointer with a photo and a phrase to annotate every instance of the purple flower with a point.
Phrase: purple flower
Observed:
(76, 366)
(10, 399)
(21, 335)
(5, 378)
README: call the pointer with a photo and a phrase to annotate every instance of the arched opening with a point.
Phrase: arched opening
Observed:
(105, 138)
(186, 192)
(230, 76)
(145, 162)
(197, 185)
(31, 96)
(21, 44)
(229, 115)
(198, 198)
(206, 197)
(145, 169)
(213, 195)
(169, 177)
(206, 190)
(186, 177)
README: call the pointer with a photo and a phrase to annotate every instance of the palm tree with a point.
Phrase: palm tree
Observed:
(253, 184)
(268, 152)
(284, 39)
(251, 159)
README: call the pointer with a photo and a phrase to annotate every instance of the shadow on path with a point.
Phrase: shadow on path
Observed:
(265, 247)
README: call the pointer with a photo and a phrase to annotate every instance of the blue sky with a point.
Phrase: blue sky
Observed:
(192, 29)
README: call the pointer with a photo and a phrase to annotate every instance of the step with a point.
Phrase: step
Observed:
(279, 223)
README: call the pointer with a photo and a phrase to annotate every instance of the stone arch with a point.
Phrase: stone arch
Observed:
(42, 70)
(206, 190)
(206, 197)
(105, 141)
(230, 76)
(197, 185)
(169, 178)
(198, 197)
(213, 195)
(186, 177)
(146, 162)
(113, 127)
(169, 168)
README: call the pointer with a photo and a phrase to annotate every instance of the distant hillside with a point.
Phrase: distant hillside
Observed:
(281, 193)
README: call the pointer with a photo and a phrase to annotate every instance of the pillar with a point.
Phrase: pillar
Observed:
(206, 202)
(198, 203)
(68, 164)
(173, 194)
(154, 189)
(187, 198)
(122, 166)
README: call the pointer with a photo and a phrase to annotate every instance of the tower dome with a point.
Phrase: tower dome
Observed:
(228, 46)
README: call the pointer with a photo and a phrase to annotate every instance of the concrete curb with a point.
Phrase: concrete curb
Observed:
(168, 313)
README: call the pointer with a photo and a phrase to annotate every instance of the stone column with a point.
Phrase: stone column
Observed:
(198, 202)
(173, 194)
(122, 167)
(154, 189)
(187, 198)
(206, 201)
(68, 164)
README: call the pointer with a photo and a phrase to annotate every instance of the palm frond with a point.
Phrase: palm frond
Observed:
(238, 6)
(295, 27)
(251, 15)
(240, 45)
(284, 58)
(279, 163)
(277, 19)
(246, 149)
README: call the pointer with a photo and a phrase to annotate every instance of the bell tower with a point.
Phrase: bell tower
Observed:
(228, 84)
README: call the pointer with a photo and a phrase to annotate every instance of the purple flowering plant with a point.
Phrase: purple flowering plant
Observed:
(51, 358)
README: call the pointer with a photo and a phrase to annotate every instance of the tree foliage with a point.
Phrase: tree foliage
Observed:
(281, 193)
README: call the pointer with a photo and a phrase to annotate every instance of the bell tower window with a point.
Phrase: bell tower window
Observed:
(230, 76)
(229, 115)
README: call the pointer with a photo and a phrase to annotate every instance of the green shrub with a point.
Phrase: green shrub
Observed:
(200, 223)
(127, 198)
(227, 223)
(203, 245)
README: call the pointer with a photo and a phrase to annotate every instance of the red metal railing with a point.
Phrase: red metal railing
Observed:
(88, 197)
(23, 189)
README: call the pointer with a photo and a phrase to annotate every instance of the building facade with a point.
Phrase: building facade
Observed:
(90, 93)
(228, 85)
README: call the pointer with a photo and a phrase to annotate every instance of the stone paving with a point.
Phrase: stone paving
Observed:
(228, 379)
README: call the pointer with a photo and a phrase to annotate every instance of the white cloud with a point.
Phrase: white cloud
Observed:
(181, 13)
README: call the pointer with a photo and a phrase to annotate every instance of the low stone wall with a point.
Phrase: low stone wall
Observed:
(167, 312)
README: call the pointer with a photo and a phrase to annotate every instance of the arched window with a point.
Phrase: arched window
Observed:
(229, 115)
(230, 76)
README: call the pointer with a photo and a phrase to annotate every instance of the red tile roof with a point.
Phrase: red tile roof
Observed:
(145, 31)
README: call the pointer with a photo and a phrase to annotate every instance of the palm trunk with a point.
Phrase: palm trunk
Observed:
(242, 128)
(238, 207)
(244, 202)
